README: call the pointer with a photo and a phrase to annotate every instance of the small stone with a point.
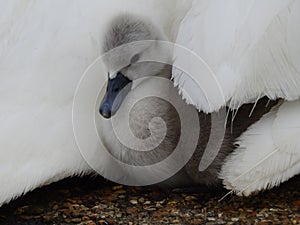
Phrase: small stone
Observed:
(101, 206)
(111, 213)
(110, 221)
(90, 222)
(120, 192)
(131, 210)
(92, 216)
(158, 205)
(211, 219)
(190, 198)
(102, 222)
(162, 202)
(47, 218)
(141, 200)
(234, 219)
(118, 187)
(85, 218)
(160, 213)
(73, 201)
(76, 213)
(175, 212)
(133, 202)
(172, 203)
(198, 215)
(150, 208)
(196, 222)
(76, 220)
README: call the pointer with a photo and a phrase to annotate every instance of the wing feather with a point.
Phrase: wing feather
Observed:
(250, 46)
(268, 152)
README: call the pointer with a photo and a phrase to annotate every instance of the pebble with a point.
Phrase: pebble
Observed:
(76, 220)
(118, 187)
(211, 219)
(119, 192)
(118, 215)
(189, 198)
(141, 200)
(90, 222)
(92, 216)
(133, 202)
(102, 222)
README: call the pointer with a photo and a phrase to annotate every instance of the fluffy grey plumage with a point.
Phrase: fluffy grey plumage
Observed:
(126, 29)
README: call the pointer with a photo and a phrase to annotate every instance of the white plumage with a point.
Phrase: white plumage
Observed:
(268, 152)
(252, 49)
(45, 47)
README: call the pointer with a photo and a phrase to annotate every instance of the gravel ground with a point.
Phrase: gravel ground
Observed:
(93, 201)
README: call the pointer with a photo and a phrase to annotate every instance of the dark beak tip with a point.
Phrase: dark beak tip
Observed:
(105, 112)
(106, 115)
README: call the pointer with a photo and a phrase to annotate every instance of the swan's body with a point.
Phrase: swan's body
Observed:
(44, 50)
(252, 49)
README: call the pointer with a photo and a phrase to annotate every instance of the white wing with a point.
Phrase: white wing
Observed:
(268, 152)
(250, 47)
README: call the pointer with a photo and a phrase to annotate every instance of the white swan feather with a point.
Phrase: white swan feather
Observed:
(251, 47)
(268, 152)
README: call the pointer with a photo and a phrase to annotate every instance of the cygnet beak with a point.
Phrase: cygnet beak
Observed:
(117, 90)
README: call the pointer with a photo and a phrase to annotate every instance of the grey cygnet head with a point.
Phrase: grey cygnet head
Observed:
(133, 50)
(130, 42)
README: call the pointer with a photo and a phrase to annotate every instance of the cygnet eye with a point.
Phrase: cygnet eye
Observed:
(134, 59)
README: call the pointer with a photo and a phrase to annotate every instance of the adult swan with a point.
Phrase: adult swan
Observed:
(46, 46)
